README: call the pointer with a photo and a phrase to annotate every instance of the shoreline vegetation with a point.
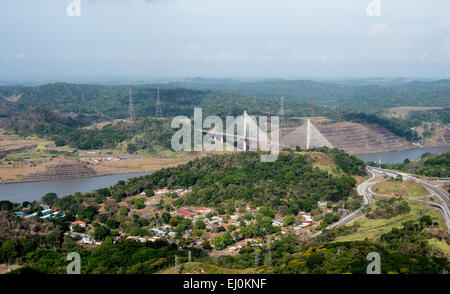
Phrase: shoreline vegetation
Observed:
(14, 174)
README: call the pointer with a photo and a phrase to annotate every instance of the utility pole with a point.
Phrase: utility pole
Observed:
(313, 107)
(268, 258)
(131, 114)
(158, 112)
(176, 265)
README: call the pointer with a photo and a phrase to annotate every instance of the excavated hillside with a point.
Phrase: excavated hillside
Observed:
(61, 170)
(354, 138)
(361, 138)
(445, 138)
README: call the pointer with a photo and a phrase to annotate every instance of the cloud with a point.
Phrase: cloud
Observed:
(21, 55)
(445, 48)
(273, 46)
(192, 47)
(377, 29)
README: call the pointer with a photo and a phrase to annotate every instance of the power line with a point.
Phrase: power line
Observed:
(131, 114)
(158, 112)
(282, 112)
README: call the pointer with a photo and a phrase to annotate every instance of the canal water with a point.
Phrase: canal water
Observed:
(19, 192)
(399, 156)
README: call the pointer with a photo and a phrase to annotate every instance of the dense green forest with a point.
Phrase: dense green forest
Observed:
(111, 102)
(353, 96)
(287, 185)
(429, 165)
(441, 115)
(149, 134)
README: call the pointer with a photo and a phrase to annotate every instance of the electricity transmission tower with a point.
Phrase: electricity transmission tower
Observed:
(158, 104)
(282, 112)
(131, 114)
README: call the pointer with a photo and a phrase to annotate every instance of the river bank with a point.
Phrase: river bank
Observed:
(397, 156)
(70, 168)
(31, 191)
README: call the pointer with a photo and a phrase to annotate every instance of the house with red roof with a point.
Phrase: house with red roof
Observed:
(78, 222)
(204, 209)
(185, 212)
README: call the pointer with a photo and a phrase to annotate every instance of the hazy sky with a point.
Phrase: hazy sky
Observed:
(224, 38)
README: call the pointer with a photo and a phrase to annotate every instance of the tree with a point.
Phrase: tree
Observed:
(49, 198)
(178, 202)
(173, 221)
(78, 229)
(200, 225)
(330, 218)
(101, 233)
(289, 220)
(165, 217)
(426, 220)
(136, 231)
(139, 203)
(6, 205)
(218, 242)
(112, 224)
(123, 211)
(131, 148)
(222, 241)
(9, 251)
(89, 213)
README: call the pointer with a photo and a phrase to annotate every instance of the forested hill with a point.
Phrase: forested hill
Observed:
(111, 102)
(430, 165)
(230, 97)
(286, 186)
(355, 96)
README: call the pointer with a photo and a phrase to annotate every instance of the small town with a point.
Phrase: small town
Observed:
(205, 226)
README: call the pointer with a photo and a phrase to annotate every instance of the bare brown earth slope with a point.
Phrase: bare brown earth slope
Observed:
(354, 138)
(60, 170)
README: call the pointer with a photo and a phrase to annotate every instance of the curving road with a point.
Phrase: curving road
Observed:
(442, 196)
(364, 191)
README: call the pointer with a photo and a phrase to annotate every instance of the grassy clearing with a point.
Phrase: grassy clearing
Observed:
(373, 229)
(441, 246)
(323, 162)
(400, 188)
(205, 268)
(403, 111)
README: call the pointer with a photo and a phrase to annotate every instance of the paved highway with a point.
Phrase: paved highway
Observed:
(364, 191)
(438, 193)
